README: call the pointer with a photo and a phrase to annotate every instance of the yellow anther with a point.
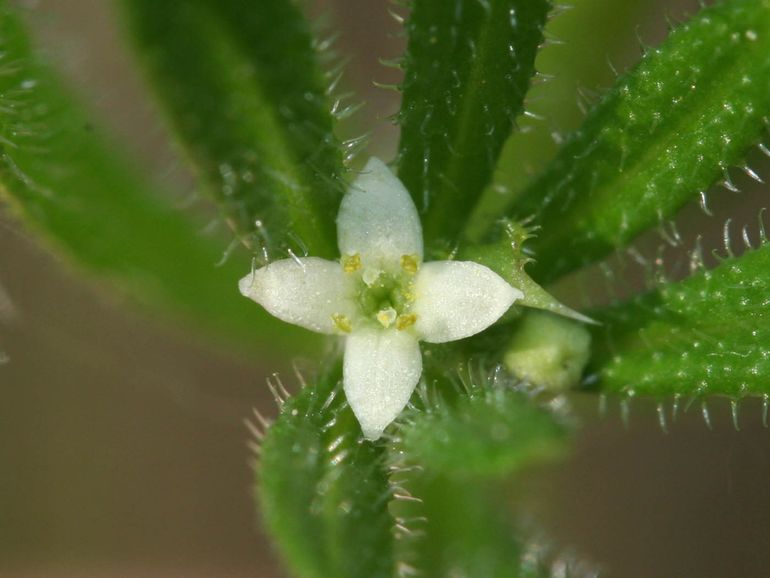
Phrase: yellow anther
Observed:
(405, 320)
(342, 323)
(351, 263)
(386, 317)
(410, 263)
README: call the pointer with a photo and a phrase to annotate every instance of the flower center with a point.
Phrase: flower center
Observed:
(384, 297)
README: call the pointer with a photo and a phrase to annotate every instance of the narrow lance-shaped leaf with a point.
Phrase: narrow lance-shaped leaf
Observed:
(59, 176)
(664, 133)
(709, 334)
(567, 73)
(243, 88)
(324, 491)
(468, 67)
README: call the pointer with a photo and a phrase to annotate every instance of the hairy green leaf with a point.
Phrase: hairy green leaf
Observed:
(664, 133)
(244, 91)
(570, 71)
(492, 432)
(453, 528)
(324, 491)
(59, 176)
(709, 334)
(450, 458)
(468, 67)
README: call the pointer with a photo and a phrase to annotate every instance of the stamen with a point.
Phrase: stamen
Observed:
(405, 320)
(410, 263)
(386, 317)
(342, 323)
(351, 263)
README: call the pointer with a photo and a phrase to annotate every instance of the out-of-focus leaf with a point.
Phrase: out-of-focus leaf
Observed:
(493, 432)
(468, 67)
(709, 334)
(664, 133)
(457, 529)
(324, 491)
(244, 90)
(452, 455)
(59, 176)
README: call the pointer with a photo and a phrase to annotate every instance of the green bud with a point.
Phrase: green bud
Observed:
(549, 350)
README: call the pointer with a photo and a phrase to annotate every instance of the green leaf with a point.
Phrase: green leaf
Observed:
(706, 335)
(571, 67)
(664, 133)
(245, 93)
(451, 457)
(457, 529)
(493, 432)
(468, 67)
(59, 176)
(324, 491)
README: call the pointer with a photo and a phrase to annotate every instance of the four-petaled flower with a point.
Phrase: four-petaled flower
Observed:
(381, 296)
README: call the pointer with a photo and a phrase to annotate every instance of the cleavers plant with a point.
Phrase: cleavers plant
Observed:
(252, 97)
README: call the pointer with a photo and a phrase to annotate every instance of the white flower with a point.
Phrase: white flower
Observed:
(381, 296)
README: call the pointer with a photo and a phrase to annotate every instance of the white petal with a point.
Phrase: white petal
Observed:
(456, 299)
(381, 370)
(378, 219)
(305, 292)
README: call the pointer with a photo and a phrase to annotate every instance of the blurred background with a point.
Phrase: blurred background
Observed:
(122, 447)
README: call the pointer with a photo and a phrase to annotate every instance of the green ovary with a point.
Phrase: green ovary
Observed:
(387, 291)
